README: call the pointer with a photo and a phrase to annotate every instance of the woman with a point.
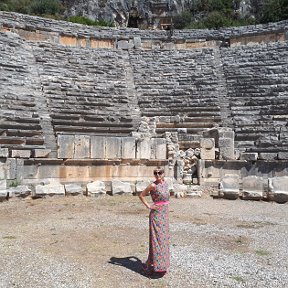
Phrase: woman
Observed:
(159, 254)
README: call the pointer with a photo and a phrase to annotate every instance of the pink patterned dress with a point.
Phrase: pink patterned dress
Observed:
(159, 253)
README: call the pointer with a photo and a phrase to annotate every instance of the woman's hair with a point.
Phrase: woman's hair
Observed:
(159, 169)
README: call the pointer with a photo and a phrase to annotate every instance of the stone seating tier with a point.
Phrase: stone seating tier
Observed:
(257, 89)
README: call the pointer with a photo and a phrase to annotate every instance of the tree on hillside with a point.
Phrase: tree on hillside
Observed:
(274, 10)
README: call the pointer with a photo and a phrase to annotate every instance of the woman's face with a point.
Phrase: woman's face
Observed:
(158, 174)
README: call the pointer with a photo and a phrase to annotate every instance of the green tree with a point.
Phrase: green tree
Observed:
(274, 10)
(46, 7)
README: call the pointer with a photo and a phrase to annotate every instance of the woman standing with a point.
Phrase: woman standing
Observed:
(159, 254)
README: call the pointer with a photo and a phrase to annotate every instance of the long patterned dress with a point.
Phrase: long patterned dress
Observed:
(159, 253)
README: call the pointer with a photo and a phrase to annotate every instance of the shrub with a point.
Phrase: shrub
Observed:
(46, 7)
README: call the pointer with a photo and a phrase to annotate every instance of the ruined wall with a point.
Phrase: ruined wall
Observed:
(80, 103)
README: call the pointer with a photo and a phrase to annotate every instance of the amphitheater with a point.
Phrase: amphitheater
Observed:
(89, 111)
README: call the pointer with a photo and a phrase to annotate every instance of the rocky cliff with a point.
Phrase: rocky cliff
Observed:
(131, 13)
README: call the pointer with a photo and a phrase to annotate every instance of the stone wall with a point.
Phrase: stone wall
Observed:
(80, 103)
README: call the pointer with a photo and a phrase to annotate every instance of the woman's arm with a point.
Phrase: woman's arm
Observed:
(145, 193)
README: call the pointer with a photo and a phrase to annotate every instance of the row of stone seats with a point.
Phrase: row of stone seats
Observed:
(257, 87)
(254, 188)
(86, 90)
(20, 127)
(184, 83)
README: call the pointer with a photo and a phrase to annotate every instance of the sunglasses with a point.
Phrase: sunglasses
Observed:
(158, 173)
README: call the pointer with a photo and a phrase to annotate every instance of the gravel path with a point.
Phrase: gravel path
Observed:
(100, 242)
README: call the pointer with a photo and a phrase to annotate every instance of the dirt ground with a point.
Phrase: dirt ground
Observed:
(100, 242)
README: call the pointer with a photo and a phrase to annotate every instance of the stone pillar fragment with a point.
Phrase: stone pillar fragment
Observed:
(226, 145)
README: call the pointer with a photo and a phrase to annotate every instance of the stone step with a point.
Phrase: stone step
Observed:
(189, 130)
(90, 124)
(185, 125)
(19, 126)
(94, 130)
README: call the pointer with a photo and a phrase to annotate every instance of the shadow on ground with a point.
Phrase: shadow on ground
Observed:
(135, 264)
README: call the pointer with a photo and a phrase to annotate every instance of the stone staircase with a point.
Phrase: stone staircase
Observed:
(257, 86)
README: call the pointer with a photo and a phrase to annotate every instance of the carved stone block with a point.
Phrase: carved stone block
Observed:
(158, 148)
(278, 189)
(253, 188)
(113, 147)
(128, 150)
(98, 147)
(226, 148)
(207, 147)
(143, 149)
(65, 146)
(81, 147)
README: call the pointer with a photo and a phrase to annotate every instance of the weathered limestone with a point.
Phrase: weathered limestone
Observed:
(119, 187)
(226, 145)
(21, 153)
(141, 185)
(65, 146)
(180, 190)
(249, 156)
(278, 189)
(73, 189)
(4, 152)
(253, 188)
(98, 147)
(143, 149)
(96, 188)
(229, 187)
(3, 195)
(20, 191)
(158, 148)
(41, 153)
(128, 148)
(113, 148)
(207, 146)
(82, 147)
(49, 190)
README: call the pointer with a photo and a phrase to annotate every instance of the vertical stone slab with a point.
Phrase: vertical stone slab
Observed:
(143, 149)
(98, 147)
(15, 169)
(158, 148)
(128, 148)
(113, 147)
(65, 146)
(226, 149)
(226, 145)
(207, 147)
(82, 147)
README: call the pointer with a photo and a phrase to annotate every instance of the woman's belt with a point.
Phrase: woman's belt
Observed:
(161, 203)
